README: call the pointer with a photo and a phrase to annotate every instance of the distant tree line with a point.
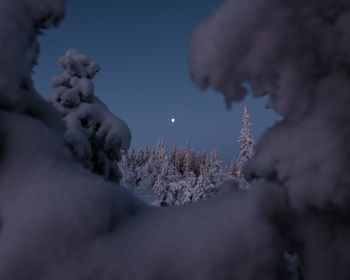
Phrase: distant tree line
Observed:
(183, 177)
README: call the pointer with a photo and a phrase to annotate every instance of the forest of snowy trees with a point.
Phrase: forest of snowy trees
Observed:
(183, 176)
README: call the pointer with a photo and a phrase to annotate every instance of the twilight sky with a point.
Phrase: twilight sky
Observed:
(141, 47)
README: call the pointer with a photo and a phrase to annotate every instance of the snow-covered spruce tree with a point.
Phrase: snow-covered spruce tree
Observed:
(234, 167)
(189, 188)
(161, 154)
(94, 135)
(127, 168)
(173, 155)
(203, 188)
(215, 172)
(168, 174)
(204, 164)
(148, 174)
(143, 171)
(188, 162)
(179, 160)
(246, 140)
(213, 157)
(132, 158)
(146, 156)
(197, 164)
(139, 158)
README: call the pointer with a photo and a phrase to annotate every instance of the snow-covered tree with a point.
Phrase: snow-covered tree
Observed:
(161, 153)
(246, 139)
(204, 164)
(203, 188)
(215, 172)
(150, 170)
(139, 158)
(179, 159)
(161, 187)
(94, 135)
(234, 167)
(146, 156)
(213, 157)
(197, 164)
(189, 188)
(173, 155)
(189, 161)
(127, 168)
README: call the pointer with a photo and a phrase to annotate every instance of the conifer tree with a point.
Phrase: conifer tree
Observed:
(132, 158)
(127, 168)
(215, 173)
(168, 174)
(234, 167)
(146, 156)
(93, 134)
(203, 189)
(173, 155)
(246, 140)
(213, 157)
(179, 160)
(189, 189)
(203, 168)
(197, 164)
(188, 162)
(139, 158)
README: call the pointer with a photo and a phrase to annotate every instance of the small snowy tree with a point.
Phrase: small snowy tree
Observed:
(246, 140)
(234, 167)
(215, 173)
(188, 162)
(150, 170)
(189, 188)
(128, 171)
(203, 166)
(197, 164)
(169, 174)
(173, 155)
(139, 158)
(179, 160)
(146, 156)
(203, 188)
(94, 135)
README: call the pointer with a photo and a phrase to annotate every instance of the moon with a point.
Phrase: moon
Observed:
(173, 120)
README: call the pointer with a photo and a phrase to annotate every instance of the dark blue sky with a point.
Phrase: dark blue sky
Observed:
(141, 47)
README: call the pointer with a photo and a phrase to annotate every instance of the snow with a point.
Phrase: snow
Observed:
(60, 221)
